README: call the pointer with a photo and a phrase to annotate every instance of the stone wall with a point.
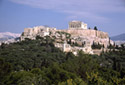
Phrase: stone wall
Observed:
(87, 32)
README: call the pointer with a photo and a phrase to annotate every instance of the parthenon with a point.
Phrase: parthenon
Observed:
(77, 25)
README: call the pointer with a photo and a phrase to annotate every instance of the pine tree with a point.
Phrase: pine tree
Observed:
(95, 28)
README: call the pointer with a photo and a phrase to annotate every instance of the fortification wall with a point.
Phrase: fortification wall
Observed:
(87, 32)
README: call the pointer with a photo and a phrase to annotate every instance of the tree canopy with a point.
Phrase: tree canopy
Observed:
(39, 62)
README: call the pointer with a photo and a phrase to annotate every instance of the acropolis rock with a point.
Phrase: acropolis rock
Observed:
(80, 35)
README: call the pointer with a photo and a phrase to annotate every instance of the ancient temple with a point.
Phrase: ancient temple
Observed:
(77, 25)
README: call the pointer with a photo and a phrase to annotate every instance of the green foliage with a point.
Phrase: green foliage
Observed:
(95, 28)
(30, 54)
(97, 46)
(95, 79)
(19, 77)
(39, 62)
(77, 81)
(5, 69)
(80, 65)
(89, 28)
(56, 74)
(111, 46)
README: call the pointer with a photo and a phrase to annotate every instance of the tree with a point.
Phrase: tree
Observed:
(96, 46)
(89, 28)
(5, 69)
(95, 28)
(77, 81)
(39, 62)
(2, 45)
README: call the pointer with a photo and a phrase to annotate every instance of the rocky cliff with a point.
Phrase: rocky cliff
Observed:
(87, 32)
(72, 40)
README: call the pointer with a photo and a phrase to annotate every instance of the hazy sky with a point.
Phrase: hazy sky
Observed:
(107, 15)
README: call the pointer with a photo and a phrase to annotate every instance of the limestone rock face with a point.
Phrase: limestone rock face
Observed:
(89, 36)
(88, 33)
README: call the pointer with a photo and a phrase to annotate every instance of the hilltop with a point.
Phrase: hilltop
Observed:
(76, 37)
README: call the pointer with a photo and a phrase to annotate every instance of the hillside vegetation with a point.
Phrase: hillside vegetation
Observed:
(38, 62)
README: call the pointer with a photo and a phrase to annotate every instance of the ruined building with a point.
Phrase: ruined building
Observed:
(77, 25)
(42, 31)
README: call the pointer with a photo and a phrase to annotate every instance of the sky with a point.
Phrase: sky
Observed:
(107, 15)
